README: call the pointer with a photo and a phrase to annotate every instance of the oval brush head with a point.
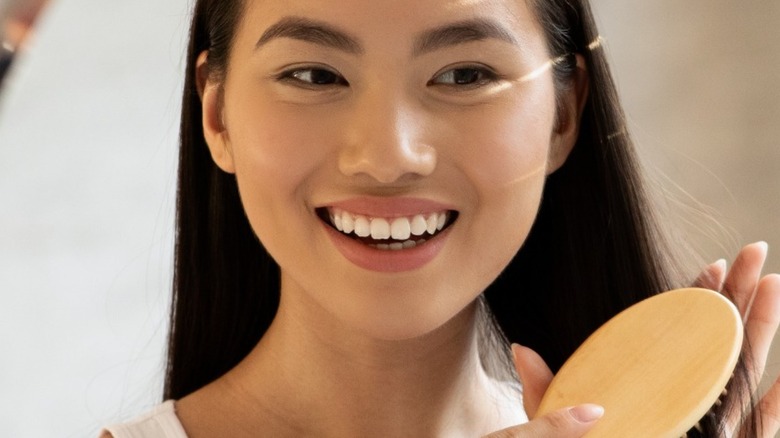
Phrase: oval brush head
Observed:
(657, 367)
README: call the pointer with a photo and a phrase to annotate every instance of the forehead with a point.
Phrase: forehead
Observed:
(393, 21)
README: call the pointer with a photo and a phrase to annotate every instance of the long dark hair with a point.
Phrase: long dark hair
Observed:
(595, 248)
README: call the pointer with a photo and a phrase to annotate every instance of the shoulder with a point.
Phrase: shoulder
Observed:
(160, 422)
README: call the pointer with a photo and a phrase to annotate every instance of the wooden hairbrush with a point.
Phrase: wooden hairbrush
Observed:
(656, 368)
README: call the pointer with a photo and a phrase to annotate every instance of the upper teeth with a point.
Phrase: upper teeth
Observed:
(398, 228)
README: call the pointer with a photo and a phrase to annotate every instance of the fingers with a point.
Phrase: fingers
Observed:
(564, 423)
(763, 321)
(712, 276)
(534, 375)
(758, 301)
(760, 329)
(742, 279)
(769, 410)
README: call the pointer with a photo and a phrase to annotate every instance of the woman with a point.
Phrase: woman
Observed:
(373, 194)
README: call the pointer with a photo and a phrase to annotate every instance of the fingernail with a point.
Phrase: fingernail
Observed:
(721, 263)
(763, 244)
(587, 413)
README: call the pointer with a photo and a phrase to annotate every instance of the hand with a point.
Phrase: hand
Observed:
(570, 422)
(758, 301)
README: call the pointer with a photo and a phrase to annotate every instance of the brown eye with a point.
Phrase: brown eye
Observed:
(316, 76)
(464, 76)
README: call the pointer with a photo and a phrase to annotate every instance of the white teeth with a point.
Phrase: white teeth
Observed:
(362, 226)
(347, 222)
(380, 229)
(442, 220)
(400, 229)
(432, 222)
(418, 225)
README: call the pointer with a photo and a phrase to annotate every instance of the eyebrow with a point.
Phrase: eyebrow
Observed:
(316, 32)
(460, 32)
(451, 34)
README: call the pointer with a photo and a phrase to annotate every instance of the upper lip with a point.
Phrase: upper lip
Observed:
(389, 207)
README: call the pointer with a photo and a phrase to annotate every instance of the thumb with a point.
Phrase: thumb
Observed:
(570, 422)
(534, 375)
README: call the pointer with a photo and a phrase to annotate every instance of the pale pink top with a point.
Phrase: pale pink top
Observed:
(161, 422)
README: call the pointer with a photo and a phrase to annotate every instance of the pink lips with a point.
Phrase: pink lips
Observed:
(379, 260)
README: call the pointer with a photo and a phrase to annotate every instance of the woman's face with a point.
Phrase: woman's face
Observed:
(390, 155)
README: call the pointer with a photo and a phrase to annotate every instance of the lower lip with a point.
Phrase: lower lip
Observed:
(382, 260)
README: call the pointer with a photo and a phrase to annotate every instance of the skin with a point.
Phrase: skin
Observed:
(368, 353)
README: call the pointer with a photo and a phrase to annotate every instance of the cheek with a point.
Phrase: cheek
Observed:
(503, 151)
(507, 143)
(276, 150)
(276, 141)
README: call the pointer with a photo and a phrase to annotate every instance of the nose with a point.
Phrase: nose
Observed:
(384, 141)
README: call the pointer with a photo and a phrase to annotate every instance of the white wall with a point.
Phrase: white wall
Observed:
(88, 137)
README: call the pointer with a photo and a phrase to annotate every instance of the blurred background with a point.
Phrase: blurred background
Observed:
(88, 138)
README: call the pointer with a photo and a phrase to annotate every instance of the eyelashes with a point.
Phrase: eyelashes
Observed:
(466, 76)
(459, 78)
(313, 77)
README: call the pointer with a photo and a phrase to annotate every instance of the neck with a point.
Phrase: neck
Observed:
(326, 380)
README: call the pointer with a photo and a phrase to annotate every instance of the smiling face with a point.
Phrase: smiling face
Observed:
(389, 155)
